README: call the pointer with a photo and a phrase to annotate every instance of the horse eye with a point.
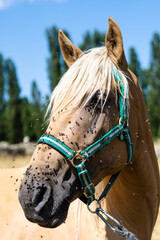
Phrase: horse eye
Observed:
(94, 100)
(97, 101)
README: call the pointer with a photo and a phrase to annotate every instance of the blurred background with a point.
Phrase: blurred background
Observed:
(31, 63)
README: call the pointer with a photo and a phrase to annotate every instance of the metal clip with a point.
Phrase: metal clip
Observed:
(99, 211)
(94, 211)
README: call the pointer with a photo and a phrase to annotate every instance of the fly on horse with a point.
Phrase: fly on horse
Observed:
(14, 225)
(98, 130)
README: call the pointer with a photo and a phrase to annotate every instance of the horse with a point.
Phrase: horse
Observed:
(15, 226)
(98, 131)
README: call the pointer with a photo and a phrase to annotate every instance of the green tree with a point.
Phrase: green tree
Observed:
(91, 40)
(134, 64)
(26, 117)
(37, 112)
(2, 101)
(12, 81)
(36, 95)
(32, 114)
(153, 106)
(13, 110)
(143, 75)
(55, 63)
(87, 42)
(155, 61)
(153, 97)
(1, 83)
(98, 38)
(144, 80)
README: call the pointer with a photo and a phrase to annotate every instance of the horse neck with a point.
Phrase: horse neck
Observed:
(133, 200)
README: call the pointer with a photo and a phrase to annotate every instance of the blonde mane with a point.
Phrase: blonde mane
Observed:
(91, 72)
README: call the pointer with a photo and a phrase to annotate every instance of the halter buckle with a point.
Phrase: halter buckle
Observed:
(91, 190)
(77, 156)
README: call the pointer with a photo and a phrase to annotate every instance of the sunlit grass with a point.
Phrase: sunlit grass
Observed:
(156, 232)
(17, 161)
(13, 161)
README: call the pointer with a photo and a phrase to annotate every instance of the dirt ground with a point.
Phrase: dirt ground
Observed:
(11, 161)
(156, 232)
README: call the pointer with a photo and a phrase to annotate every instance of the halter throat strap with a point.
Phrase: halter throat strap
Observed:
(121, 130)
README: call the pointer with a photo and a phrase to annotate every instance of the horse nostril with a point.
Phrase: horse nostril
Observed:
(67, 175)
(39, 195)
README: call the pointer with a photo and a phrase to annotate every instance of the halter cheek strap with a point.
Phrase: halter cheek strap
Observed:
(121, 130)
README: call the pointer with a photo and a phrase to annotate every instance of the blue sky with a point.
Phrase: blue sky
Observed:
(23, 24)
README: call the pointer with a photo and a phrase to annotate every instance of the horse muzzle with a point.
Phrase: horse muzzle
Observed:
(45, 201)
(42, 207)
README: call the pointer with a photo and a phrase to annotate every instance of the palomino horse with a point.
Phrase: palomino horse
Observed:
(14, 225)
(98, 128)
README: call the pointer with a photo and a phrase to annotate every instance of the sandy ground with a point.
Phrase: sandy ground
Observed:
(11, 161)
(156, 232)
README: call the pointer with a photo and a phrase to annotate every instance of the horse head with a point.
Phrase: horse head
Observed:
(83, 108)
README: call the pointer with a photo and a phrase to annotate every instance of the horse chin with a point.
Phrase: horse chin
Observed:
(57, 218)
(53, 223)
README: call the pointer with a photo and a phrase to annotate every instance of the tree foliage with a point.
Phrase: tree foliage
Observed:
(55, 63)
(1, 83)
(21, 116)
(13, 110)
(149, 80)
(2, 100)
(91, 40)
(134, 64)
(37, 112)
(153, 97)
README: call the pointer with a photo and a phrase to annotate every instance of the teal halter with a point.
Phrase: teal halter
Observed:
(121, 129)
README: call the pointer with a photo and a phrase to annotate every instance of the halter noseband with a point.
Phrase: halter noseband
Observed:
(121, 129)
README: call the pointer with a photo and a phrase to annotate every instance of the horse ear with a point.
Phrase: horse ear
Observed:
(70, 52)
(114, 44)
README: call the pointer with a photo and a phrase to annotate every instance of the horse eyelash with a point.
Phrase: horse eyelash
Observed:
(98, 101)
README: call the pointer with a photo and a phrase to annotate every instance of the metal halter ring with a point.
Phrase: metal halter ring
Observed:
(101, 213)
(77, 156)
(99, 206)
